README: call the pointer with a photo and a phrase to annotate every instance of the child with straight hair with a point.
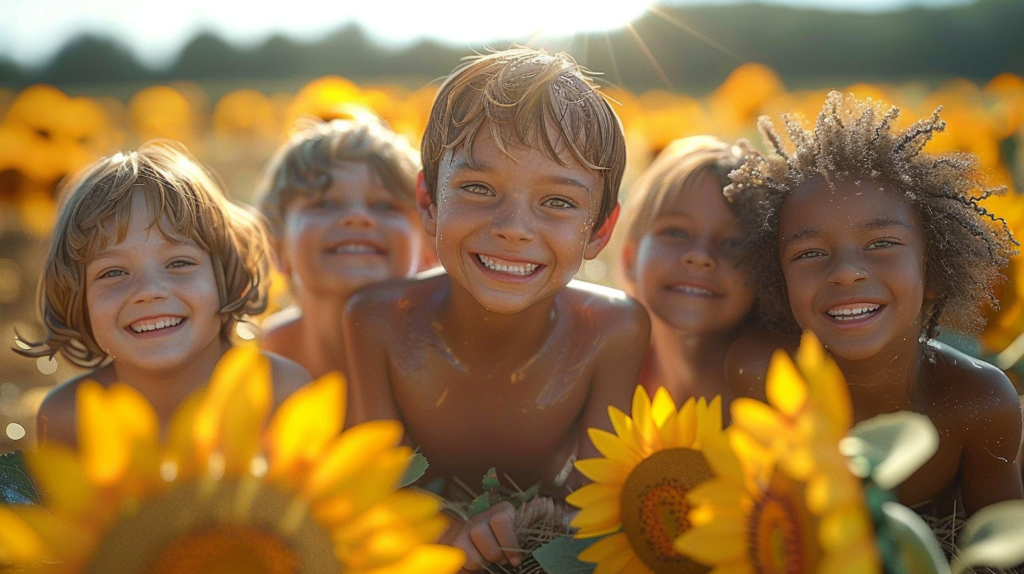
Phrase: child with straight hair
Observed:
(339, 199)
(149, 270)
(502, 360)
(871, 244)
(681, 259)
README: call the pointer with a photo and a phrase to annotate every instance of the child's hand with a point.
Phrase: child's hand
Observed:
(488, 538)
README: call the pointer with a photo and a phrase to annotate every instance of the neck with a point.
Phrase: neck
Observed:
(885, 382)
(464, 320)
(322, 332)
(167, 389)
(687, 364)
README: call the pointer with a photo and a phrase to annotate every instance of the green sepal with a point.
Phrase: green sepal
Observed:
(480, 504)
(993, 537)
(889, 448)
(490, 480)
(907, 544)
(417, 467)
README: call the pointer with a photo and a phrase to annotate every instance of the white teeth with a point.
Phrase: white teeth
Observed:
(354, 248)
(690, 290)
(517, 269)
(851, 312)
(154, 324)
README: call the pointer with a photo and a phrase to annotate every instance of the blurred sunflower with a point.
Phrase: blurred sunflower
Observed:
(219, 496)
(640, 484)
(783, 499)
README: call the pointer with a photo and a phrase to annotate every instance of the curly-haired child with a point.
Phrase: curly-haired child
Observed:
(149, 271)
(681, 259)
(863, 239)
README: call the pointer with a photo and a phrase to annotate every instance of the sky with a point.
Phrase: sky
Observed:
(32, 31)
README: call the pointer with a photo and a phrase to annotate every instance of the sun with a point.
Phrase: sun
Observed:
(638, 499)
(225, 492)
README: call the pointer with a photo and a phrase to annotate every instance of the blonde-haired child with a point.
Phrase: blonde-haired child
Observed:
(149, 270)
(339, 197)
(681, 259)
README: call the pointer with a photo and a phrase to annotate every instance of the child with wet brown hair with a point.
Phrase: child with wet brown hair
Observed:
(149, 270)
(872, 244)
(681, 259)
(339, 200)
(503, 360)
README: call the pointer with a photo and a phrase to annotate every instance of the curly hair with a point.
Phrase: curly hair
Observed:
(856, 140)
(187, 201)
(527, 97)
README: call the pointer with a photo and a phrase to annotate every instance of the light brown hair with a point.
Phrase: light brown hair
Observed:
(301, 167)
(185, 201)
(526, 97)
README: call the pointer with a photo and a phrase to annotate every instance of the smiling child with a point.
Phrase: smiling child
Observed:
(681, 259)
(871, 244)
(339, 201)
(503, 360)
(149, 271)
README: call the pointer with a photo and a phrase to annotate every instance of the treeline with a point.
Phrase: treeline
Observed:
(686, 49)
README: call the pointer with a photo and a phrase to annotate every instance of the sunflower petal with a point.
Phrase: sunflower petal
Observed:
(785, 387)
(604, 470)
(613, 447)
(304, 424)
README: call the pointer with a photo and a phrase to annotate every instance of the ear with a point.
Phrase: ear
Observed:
(279, 258)
(428, 211)
(602, 235)
(627, 262)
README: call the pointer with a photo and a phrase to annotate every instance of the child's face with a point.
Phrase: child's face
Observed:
(685, 268)
(355, 233)
(854, 262)
(513, 231)
(153, 304)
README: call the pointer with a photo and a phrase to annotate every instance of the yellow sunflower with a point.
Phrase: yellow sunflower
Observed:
(639, 488)
(220, 494)
(783, 499)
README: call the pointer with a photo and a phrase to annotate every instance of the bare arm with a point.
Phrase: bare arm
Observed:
(55, 422)
(615, 378)
(747, 360)
(991, 461)
(288, 377)
(369, 382)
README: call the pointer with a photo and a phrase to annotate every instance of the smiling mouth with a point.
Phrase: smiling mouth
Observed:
(692, 290)
(355, 249)
(147, 325)
(508, 267)
(853, 312)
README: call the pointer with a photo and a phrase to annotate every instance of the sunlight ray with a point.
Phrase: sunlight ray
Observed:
(696, 34)
(611, 54)
(650, 57)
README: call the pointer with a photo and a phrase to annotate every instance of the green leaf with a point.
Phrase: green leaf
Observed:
(519, 498)
(916, 549)
(560, 556)
(890, 447)
(480, 504)
(490, 481)
(417, 466)
(16, 486)
(993, 537)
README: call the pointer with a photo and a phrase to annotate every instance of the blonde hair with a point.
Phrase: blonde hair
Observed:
(527, 97)
(302, 165)
(185, 201)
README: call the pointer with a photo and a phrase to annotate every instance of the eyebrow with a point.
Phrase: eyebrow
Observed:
(803, 234)
(463, 164)
(883, 222)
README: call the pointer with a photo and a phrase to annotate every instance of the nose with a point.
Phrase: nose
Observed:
(150, 287)
(356, 215)
(512, 223)
(698, 255)
(847, 271)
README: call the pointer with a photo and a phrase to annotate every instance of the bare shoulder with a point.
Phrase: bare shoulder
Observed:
(282, 331)
(393, 297)
(963, 380)
(748, 358)
(55, 422)
(612, 308)
(288, 376)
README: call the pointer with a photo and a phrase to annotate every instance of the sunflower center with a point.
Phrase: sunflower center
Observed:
(654, 507)
(225, 527)
(227, 549)
(782, 536)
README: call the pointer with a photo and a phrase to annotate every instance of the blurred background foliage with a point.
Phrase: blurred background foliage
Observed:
(674, 72)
